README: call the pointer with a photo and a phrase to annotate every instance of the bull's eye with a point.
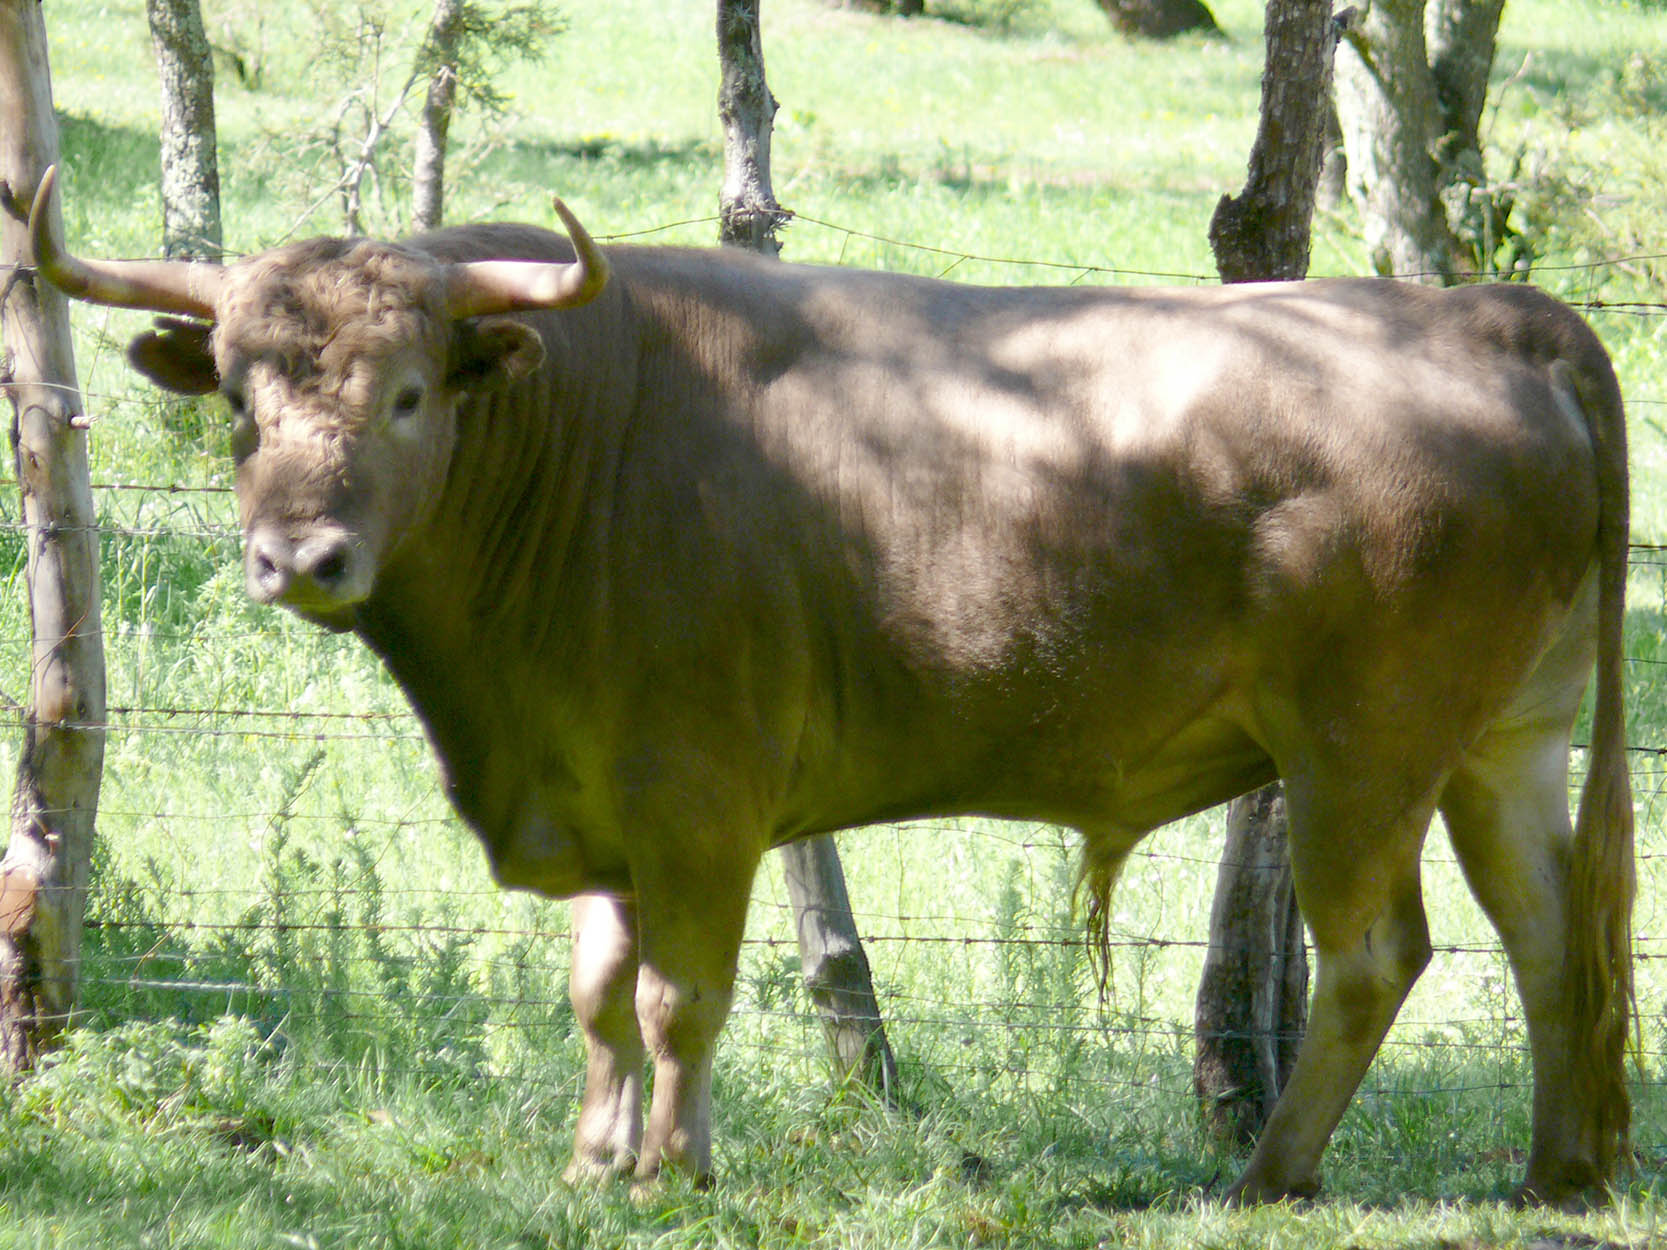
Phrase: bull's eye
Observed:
(407, 402)
(245, 436)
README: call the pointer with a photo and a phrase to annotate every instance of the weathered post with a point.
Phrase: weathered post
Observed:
(43, 877)
(748, 215)
(835, 969)
(1253, 994)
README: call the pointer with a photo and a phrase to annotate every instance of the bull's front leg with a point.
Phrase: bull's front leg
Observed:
(691, 916)
(602, 985)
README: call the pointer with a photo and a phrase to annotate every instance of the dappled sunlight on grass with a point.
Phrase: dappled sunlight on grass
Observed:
(311, 1019)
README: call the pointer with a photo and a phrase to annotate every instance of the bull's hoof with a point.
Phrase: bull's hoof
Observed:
(650, 1189)
(599, 1169)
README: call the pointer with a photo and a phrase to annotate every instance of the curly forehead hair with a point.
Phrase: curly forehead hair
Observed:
(314, 308)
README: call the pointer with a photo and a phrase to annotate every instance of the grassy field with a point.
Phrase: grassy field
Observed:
(312, 1020)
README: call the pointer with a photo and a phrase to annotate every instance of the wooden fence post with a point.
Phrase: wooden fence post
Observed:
(748, 215)
(1253, 994)
(831, 957)
(43, 878)
(835, 968)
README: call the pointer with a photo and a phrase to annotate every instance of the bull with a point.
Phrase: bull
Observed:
(680, 555)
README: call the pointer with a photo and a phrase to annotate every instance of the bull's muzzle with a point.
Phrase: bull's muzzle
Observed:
(320, 569)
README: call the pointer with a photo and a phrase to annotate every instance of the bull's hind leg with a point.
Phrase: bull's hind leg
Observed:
(1357, 882)
(602, 985)
(1507, 809)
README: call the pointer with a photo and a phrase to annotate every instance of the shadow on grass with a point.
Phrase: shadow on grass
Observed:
(112, 165)
(618, 154)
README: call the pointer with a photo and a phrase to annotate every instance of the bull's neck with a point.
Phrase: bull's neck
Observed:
(498, 590)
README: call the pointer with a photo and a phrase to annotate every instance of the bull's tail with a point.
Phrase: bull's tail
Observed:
(1601, 871)
(1095, 881)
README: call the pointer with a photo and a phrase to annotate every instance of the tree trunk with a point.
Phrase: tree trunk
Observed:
(831, 957)
(1264, 233)
(43, 877)
(190, 169)
(1386, 102)
(428, 178)
(1253, 994)
(1334, 165)
(1411, 87)
(1159, 19)
(1461, 37)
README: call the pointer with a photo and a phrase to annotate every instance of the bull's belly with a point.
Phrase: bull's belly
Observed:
(1207, 762)
(1074, 782)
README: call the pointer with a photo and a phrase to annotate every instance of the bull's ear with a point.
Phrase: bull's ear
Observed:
(491, 350)
(175, 356)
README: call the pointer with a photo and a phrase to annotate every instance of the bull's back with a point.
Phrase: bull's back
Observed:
(1135, 530)
(951, 548)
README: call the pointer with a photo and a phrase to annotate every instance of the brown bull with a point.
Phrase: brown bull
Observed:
(684, 562)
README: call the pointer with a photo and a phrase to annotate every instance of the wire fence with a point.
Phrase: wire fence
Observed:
(243, 868)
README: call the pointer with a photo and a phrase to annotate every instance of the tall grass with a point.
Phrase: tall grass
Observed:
(311, 1019)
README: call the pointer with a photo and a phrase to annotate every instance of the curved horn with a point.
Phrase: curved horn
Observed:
(170, 286)
(160, 285)
(481, 287)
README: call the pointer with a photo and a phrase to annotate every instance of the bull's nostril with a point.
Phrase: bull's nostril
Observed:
(331, 567)
(302, 568)
(268, 568)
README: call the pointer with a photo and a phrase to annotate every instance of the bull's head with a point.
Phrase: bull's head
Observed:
(343, 362)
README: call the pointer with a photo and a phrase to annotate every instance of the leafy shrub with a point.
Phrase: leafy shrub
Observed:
(160, 1074)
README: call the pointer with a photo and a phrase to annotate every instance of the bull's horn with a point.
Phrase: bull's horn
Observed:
(169, 286)
(481, 287)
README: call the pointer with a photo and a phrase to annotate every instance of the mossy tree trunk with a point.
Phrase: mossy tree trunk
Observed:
(748, 215)
(1460, 37)
(43, 877)
(1387, 105)
(1412, 81)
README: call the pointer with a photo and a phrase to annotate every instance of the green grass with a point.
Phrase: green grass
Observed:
(310, 1017)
